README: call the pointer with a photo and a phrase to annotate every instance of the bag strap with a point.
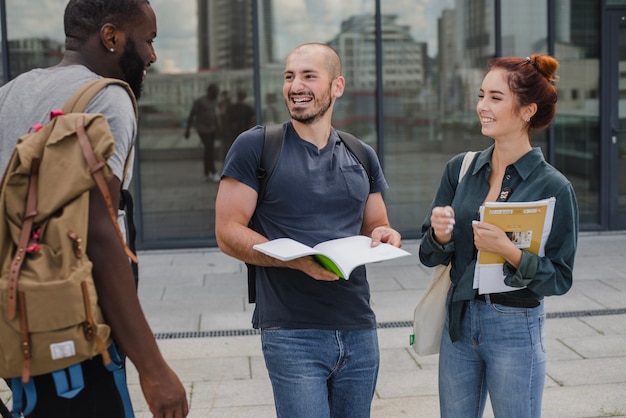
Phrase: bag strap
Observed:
(127, 205)
(24, 397)
(272, 145)
(116, 366)
(4, 411)
(78, 102)
(80, 99)
(30, 212)
(467, 161)
(357, 149)
(95, 168)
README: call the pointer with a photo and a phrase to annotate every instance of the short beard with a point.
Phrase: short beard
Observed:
(312, 118)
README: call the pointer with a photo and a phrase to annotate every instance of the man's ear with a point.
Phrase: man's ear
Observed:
(338, 86)
(110, 36)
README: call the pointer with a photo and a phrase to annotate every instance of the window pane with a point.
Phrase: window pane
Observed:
(2, 57)
(343, 25)
(34, 42)
(577, 122)
(434, 57)
(525, 32)
(200, 43)
(524, 27)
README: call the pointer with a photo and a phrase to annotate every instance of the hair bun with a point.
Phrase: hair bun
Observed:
(546, 65)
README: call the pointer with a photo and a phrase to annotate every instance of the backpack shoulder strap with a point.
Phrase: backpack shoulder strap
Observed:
(355, 146)
(80, 99)
(78, 103)
(272, 145)
(271, 152)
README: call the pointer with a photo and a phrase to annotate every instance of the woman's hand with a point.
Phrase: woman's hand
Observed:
(442, 221)
(490, 238)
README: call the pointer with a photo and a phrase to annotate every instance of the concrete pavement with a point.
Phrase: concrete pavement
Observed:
(196, 303)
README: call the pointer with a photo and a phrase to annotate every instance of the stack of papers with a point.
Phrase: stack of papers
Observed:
(527, 224)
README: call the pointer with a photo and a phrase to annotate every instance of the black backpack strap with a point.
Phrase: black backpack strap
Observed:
(274, 141)
(272, 144)
(355, 146)
(4, 411)
(126, 204)
(269, 156)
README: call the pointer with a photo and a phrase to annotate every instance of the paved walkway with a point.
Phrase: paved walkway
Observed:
(196, 302)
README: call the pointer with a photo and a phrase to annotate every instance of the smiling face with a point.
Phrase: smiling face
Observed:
(308, 86)
(498, 110)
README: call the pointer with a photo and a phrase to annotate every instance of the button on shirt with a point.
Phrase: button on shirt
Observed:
(529, 178)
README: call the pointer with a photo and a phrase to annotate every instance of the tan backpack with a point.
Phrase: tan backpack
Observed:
(49, 313)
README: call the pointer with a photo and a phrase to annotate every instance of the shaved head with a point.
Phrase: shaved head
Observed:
(332, 59)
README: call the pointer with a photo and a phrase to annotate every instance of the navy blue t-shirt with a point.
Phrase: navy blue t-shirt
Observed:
(312, 196)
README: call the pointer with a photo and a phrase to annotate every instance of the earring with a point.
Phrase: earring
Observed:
(112, 49)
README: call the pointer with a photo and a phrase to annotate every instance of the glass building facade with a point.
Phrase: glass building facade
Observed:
(413, 70)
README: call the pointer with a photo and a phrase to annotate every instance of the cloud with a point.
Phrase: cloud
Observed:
(176, 23)
(299, 21)
(43, 20)
(295, 22)
(176, 42)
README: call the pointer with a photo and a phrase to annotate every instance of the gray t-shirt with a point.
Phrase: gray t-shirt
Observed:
(29, 98)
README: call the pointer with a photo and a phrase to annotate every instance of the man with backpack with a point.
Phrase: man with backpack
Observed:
(318, 331)
(103, 39)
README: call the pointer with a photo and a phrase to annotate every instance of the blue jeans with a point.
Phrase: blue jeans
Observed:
(501, 351)
(321, 373)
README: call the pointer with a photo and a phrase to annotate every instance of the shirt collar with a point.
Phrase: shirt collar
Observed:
(524, 166)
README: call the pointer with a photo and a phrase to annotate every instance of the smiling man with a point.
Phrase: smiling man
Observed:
(114, 39)
(318, 332)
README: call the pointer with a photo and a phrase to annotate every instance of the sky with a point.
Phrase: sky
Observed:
(299, 21)
(295, 22)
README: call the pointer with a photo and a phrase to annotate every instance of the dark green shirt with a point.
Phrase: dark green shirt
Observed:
(530, 178)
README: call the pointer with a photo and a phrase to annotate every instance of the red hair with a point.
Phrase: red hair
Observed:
(531, 80)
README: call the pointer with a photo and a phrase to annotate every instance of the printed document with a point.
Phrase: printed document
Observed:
(527, 224)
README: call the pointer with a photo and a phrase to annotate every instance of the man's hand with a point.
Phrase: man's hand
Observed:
(165, 394)
(387, 235)
(311, 267)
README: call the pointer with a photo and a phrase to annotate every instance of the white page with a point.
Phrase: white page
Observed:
(351, 252)
(346, 253)
(285, 249)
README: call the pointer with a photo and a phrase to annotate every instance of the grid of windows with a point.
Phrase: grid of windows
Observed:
(434, 55)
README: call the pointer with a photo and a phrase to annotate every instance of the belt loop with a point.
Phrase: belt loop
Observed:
(487, 299)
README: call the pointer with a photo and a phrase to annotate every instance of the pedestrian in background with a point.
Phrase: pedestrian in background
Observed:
(239, 117)
(204, 118)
